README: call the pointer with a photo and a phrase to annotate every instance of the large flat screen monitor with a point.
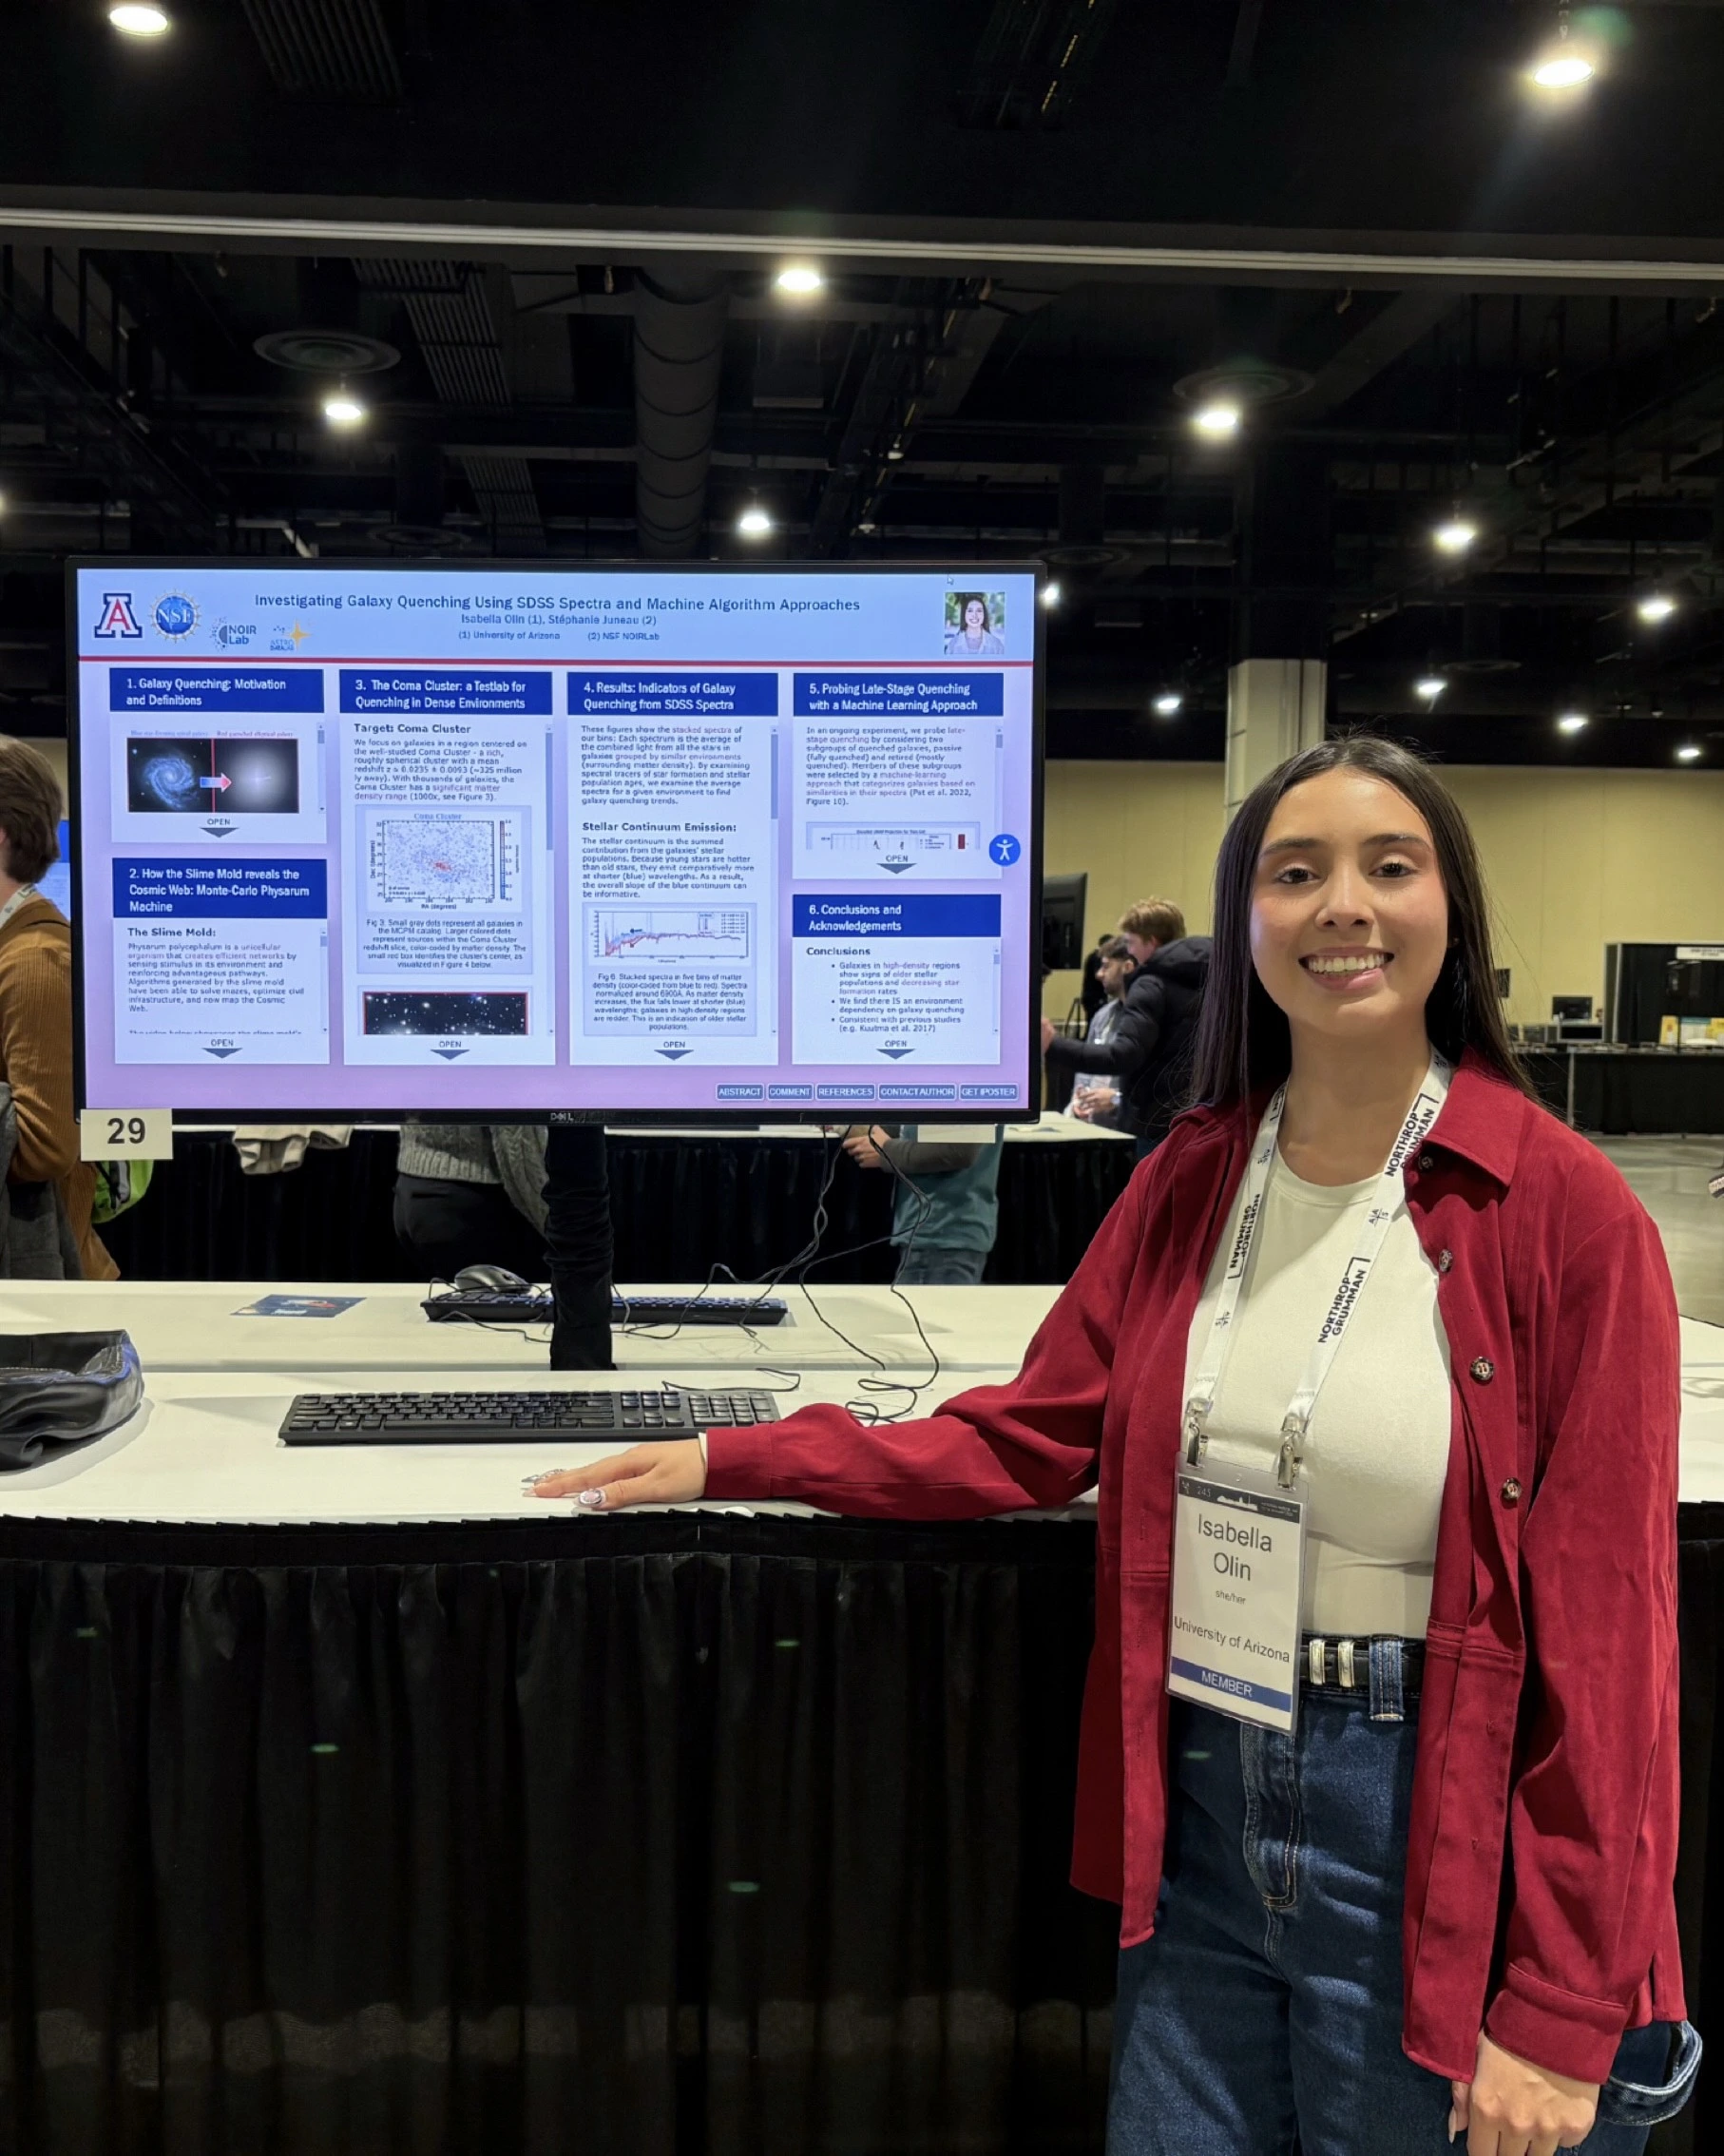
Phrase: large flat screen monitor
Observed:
(506, 839)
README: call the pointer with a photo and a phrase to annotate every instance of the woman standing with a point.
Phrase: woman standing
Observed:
(1408, 1348)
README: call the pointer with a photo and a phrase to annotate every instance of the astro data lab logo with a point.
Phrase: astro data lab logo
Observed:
(117, 617)
(174, 615)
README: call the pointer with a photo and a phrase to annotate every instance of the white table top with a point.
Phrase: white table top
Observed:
(192, 1325)
(1702, 1412)
(204, 1448)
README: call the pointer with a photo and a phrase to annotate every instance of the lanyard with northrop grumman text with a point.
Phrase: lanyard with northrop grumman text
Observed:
(1238, 1535)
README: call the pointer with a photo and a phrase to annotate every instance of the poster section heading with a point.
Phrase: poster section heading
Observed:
(391, 689)
(657, 696)
(861, 914)
(233, 891)
(242, 688)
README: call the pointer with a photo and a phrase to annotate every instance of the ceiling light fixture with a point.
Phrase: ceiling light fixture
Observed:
(1455, 537)
(1050, 595)
(1688, 752)
(753, 523)
(1571, 723)
(140, 21)
(1429, 686)
(798, 280)
(1655, 607)
(1562, 65)
(1168, 703)
(341, 408)
(1216, 422)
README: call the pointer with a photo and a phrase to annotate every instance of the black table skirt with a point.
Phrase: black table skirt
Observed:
(1634, 1092)
(681, 1205)
(650, 1836)
(671, 1835)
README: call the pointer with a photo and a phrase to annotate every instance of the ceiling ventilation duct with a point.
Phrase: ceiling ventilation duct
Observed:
(449, 308)
(335, 48)
(679, 318)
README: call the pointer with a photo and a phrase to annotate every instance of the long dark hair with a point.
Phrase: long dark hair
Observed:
(1243, 1043)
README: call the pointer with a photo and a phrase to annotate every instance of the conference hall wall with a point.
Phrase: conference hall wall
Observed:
(1576, 859)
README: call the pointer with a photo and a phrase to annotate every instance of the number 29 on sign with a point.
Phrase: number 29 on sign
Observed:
(125, 1134)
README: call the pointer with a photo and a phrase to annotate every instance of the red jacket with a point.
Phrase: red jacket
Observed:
(1544, 1835)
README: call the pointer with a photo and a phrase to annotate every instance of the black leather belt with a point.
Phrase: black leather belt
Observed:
(1345, 1665)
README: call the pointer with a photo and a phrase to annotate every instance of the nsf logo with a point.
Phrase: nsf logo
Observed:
(174, 615)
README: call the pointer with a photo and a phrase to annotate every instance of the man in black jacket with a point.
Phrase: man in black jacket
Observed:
(1148, 1053)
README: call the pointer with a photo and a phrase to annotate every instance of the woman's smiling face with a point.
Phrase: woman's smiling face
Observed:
(1349, 917)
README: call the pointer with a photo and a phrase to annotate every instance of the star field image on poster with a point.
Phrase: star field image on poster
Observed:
(205, 777)
(397, 1010)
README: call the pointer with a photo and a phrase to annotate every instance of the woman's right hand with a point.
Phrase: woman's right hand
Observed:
(673, 1472)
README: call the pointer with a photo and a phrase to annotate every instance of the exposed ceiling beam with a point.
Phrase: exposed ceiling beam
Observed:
(960, 247)
(1391, 333)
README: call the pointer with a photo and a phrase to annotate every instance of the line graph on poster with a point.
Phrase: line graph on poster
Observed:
(631, 935)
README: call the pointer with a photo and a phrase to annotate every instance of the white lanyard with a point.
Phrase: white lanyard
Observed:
(23, 893)
(1390, 1196)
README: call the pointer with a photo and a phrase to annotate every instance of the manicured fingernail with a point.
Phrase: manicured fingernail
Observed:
(592, 1499)
(1454, 2123)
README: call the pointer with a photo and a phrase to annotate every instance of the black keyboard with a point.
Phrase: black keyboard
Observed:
(481, 1306)
(505, 1418)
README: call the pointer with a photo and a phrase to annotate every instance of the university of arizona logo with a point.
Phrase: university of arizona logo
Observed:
(117, 617)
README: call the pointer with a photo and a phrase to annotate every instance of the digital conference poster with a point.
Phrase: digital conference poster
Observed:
(471, 839)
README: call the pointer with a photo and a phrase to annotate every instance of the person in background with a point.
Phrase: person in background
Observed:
(945, 1209)
(471, 1194)
(1098, 1100)
(49, 1190)
(1147, 1054)
(1091, 994)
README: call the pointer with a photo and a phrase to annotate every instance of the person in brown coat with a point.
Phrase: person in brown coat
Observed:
(36, 1002)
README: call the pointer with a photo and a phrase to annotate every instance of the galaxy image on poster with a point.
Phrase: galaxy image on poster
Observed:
(166, 775)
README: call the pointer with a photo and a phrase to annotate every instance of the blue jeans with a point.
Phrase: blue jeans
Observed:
(937, 1264)
(1268, 2003)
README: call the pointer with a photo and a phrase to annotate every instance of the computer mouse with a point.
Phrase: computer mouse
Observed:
(492, 1279)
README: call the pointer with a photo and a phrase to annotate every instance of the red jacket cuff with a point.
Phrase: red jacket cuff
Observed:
(1559, 2031)
(739, 1463)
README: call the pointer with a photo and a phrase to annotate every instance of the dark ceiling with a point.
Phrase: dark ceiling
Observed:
(539, 241)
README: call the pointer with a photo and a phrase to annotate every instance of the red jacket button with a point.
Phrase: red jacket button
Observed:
(1511, 1492)
(1483, 1369)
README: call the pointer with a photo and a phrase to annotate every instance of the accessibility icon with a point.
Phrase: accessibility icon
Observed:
(1004, 850)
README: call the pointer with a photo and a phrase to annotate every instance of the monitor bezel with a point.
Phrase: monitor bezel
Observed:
(745, 1114)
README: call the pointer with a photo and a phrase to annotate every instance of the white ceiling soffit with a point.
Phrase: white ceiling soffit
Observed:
(1382, 261)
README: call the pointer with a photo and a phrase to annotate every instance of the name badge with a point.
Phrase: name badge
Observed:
(1234, 1616)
